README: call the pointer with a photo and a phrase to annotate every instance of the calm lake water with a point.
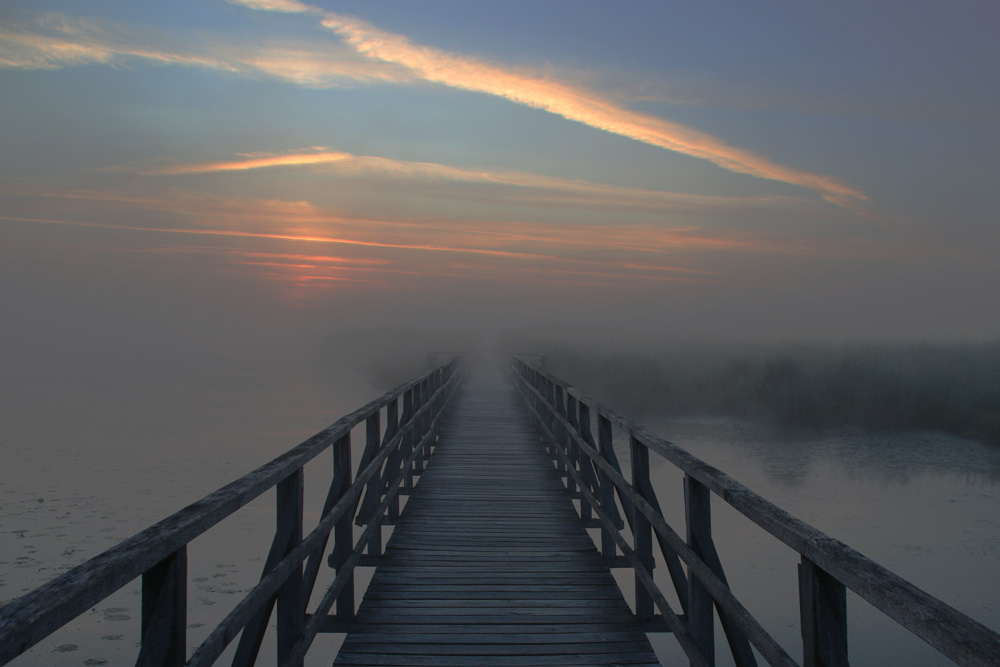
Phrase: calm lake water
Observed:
(88, 464)
(925, 505)
(90, 459)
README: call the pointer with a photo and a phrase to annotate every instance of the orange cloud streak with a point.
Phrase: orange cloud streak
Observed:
(536, 188)
(288, 237)
(570, 102)
(498, 238)
(58, 41)
(291, 160)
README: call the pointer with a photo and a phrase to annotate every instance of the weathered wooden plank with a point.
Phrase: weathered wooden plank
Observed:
(823, 609)
(701, 623)
(954, 634)
(510, 636)
(576, 659)
(290, 599)
(32, 617)
(490, 549)
(539, 585)
(164, 613)
(496, 649)
(492, 605)
(582, 630)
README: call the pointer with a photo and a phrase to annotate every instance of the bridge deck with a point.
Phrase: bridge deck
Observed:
(489, 562)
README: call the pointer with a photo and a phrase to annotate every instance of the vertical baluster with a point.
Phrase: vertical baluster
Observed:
(411, 402)
(343, 531)
(584, 462)
(561, 463)
(823, 608)
(697, 506)
(290, 603)
(573, 407)
(434, 383)
(532, 378)
(563, 436)
(550, 398)
(421, 429)
(287, 534)
(392, 463)
(164, 612)
(604, 436)
(641, 529)
(431, 414)
(373, 436)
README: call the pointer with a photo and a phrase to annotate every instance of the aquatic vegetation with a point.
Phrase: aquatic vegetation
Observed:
(952, 387)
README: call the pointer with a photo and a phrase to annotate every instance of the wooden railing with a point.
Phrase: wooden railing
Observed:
(566, 419)
(394, 452)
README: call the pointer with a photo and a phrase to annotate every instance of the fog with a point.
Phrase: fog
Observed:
(135, 383)
(118, 413)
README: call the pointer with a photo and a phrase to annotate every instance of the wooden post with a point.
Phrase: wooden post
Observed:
(823, 609)
(604, 438)
(584, 462)
(435, 385)
(641, 529)
(563, 437)
(411, 402)
(164, 612)
(550, 397)
(420, 428)
(580, 419)
(343, 531)
(290, 599)
(391, 428)
(287, 535)
(572, 416)
(373, 437)
(701, 622)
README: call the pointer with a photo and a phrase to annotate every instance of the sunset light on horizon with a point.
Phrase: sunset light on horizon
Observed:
(818, 173)
(270, 270)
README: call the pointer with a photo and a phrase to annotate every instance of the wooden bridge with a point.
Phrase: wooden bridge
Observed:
(489, 561)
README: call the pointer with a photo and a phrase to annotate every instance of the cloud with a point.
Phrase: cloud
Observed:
(294, 159)
(288, 6)
(516, 185)
(570, 102)
(644, 248)
(376, 56)
(56, 41)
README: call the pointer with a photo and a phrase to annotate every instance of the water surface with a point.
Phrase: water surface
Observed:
(925, 505)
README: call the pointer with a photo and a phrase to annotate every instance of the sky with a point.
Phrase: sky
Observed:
(174, 174)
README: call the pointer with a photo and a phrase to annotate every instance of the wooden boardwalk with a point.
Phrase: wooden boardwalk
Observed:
(489, 563)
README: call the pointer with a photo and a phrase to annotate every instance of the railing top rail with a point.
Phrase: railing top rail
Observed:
(956, 635)
(55, 603)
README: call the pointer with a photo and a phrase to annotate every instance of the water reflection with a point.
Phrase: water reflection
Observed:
(925, 505)
(890, 458)
(91, 459)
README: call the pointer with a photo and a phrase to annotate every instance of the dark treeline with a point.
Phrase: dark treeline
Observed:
(904, 386)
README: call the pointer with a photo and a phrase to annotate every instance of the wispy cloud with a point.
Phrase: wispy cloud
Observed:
(55, 41)
(625, 245)
(372, 56)
(293, 159)
(571, 102)
(521, 186)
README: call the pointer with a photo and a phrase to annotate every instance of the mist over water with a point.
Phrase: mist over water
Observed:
(103, 438)
(923, 504)
(99, 445)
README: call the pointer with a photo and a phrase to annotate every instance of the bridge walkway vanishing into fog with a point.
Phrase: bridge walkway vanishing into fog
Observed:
(489, 561)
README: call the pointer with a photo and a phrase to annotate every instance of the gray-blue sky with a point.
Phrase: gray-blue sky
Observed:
(741, 170)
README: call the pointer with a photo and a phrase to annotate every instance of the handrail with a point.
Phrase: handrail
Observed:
(158, 553)
(828, 565)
